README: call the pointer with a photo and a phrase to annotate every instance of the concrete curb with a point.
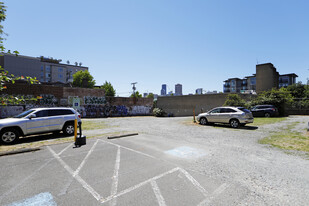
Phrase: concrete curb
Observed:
(20, 151)
(124, 135)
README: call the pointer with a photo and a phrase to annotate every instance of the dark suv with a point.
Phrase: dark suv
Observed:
(264, 111)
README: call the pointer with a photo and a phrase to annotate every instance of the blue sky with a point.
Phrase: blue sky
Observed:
(197, 43)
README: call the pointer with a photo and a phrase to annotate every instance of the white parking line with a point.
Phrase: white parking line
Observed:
(139, 185)
(158, 194)
(65, 149)
(115, 177)
(142, 153)
(194, 182)
(217, 192)
(96, 195)
(84, 160)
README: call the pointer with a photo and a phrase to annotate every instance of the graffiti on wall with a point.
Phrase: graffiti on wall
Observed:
(140, 110)
(94, 100)
(9, 111)
(95, 111)
(48, 99)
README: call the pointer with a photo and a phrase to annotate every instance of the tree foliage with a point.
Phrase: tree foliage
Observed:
(137, 95)
(109, 89)
(83, 79)
(150, 95)
(299, 90)
(234, 100)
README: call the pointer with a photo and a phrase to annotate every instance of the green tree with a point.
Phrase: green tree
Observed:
(234, 100)
(150, 95)
(297, 90)
(109, 89)
(137, 95)
(83, 79)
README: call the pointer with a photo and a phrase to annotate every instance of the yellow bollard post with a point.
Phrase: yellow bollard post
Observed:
(75, 128)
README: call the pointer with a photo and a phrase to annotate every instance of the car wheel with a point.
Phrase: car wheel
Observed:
(266, 114)
(9, 136)
(68, 129)
(203, 121)
(234, 123)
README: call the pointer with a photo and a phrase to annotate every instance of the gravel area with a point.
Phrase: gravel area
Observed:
(264, 175)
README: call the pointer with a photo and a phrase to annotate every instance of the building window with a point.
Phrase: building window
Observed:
(253, 81)
(60, 76)
(60, 69)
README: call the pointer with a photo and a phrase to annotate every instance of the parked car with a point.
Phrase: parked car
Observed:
(235, 116)
(264, 111)
(38, 121)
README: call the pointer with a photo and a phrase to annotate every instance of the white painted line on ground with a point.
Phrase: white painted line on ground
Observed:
(115, 178)
(217, 192)
(139, 185)
(24, 180)
(84, 160)
(194, 182)
(129, 149)
(77, 177)
(158, 194)
(65, 149)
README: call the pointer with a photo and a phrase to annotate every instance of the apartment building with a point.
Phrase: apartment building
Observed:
(44, 69)
(266, 78)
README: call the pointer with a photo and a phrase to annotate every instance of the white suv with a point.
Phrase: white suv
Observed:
(235, 116)
(38, 121)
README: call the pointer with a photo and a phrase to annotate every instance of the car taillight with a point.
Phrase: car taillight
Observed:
(273, 109)
(79, 116)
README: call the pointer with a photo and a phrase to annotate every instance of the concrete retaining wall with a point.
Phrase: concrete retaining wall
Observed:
(184, 105)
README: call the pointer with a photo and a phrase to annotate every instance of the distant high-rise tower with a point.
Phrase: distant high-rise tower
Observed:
(178, 89)
(163, 90)
(199, 91)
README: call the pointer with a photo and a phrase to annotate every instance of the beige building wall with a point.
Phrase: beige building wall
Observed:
(266, 77)
(184, 105)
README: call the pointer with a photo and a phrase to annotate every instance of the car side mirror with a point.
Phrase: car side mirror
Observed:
(32, 116)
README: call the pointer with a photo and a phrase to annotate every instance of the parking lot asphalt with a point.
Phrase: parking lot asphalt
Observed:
(170, 162)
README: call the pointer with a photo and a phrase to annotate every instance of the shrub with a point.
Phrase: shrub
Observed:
(158, 112)
(234, 100)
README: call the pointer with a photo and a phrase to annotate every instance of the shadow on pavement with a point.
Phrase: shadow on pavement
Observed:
(40, 137)
(228, 126)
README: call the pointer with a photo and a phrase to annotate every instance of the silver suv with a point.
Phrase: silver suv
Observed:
(38, 121)
(235, 116)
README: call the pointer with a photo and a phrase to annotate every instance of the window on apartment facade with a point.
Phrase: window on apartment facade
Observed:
(253, 81)
(60, 69)
(233, 82)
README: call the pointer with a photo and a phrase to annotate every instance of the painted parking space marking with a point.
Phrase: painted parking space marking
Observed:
(114, 194)
(45, 199)
(186, 152)
(216, 193)
(96, 195)
(158, 194)
(115, 177)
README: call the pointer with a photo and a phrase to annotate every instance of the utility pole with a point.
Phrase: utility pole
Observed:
(134, 88)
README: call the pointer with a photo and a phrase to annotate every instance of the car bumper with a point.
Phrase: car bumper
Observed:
(246, 121)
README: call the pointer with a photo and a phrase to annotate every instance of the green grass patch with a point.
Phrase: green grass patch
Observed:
(93, 124)
(288, 139)
(259, 121)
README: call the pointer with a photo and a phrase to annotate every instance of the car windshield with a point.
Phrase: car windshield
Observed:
(25, 113)
(244, 109)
